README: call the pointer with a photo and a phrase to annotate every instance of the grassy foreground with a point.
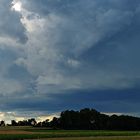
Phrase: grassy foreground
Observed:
(20, 133)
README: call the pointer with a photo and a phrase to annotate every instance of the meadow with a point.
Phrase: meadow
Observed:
(21, 133)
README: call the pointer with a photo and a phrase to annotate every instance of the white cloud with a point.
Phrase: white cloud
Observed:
(8, 116)
(49, 117)
(17, 6)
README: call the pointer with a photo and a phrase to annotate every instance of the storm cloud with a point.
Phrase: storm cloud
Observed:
(51, 50)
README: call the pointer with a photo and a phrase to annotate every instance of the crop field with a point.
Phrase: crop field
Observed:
(97, 138)
(21, 133)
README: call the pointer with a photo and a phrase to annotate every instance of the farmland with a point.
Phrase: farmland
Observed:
(20, 133)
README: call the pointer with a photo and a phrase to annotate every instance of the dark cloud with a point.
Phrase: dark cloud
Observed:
(70, 54)
(120, 101)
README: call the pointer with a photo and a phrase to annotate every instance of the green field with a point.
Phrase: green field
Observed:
(20, 133)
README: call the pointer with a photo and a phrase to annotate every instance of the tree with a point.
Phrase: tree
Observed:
(2, 123)
(32, 122)
(13, 123)
(55, 123)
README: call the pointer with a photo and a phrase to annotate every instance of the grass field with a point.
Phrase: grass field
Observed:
(97, 138)
(20, 133)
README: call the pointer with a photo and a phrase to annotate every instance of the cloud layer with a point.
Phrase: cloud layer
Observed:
(52, 49)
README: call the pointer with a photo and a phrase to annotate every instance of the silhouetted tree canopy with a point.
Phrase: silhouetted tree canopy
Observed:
(91, 119)
(86, 119)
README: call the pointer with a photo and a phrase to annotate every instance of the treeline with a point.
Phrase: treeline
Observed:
(90, 119)
(85, 119)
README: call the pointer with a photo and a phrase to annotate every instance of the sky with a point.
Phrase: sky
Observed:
(69, 54)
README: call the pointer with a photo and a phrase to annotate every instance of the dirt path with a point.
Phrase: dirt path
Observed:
(15, 132)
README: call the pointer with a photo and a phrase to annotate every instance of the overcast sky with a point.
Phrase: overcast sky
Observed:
(69, 54)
